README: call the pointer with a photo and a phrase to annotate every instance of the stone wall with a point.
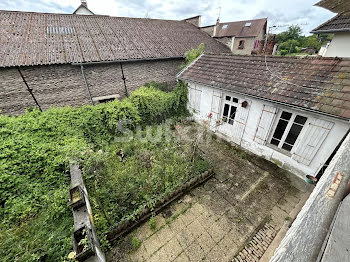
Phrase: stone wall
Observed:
(60, 85)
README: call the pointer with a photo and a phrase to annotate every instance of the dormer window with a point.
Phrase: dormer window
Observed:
(224, 26)
(248, 24)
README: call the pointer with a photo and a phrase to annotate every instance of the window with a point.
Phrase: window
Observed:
(230, 109)
(287, 130)
(241, 44)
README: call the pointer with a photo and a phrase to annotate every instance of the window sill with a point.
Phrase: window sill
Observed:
(280, 150)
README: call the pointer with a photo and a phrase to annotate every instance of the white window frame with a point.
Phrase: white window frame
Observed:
(287, 130)
(230, 103)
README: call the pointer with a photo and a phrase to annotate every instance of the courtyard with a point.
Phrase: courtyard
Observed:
(234, 216)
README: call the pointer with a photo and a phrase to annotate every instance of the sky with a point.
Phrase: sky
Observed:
(280, 13)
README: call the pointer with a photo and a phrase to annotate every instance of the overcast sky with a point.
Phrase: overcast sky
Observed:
(282, 12)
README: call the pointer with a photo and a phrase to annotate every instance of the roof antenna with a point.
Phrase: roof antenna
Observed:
(218, 20)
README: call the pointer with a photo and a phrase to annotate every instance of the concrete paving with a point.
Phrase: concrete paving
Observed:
(247, 202)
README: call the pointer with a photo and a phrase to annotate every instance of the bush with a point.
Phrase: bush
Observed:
(35, 149)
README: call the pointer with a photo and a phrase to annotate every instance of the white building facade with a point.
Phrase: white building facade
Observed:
(340, 27)
(297, 140)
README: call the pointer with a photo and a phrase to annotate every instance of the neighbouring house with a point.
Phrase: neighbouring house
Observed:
(292, 111)
(242, 37)
(69, 59)
(340, 27)
(83, 9)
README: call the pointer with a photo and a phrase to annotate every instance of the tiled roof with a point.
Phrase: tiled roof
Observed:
(336, 6)
(41, 38)
(339, 23)
(239, 28)
(318, 84)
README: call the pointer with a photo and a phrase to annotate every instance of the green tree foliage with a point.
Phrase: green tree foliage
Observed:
(292, 41)
(192, 54)
(35, 149)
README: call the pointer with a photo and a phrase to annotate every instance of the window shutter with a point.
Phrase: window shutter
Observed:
(266, 118)
(240, 122)
(312, 140)
(197, 105)
(215, 105)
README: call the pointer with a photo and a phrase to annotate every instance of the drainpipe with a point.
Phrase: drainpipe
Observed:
(86, 84)
(29, 89)
(123, 77)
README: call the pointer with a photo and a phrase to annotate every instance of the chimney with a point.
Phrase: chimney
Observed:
(84, 3)
(215, 26)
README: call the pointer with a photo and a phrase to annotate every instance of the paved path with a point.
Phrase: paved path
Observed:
(232, 217)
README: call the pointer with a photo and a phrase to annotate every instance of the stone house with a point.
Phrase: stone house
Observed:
(51, 59)
(242, 37)
(294, 112)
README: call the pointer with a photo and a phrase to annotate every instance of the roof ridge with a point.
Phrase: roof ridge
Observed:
(265, 18)
(94, 15)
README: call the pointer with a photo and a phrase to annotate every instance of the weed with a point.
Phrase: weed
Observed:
(136, 243)
(152, 223)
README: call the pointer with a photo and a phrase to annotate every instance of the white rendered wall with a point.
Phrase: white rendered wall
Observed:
(340, 45)
(267, 151)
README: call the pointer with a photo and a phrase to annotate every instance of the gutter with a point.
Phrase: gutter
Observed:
(86, 84)
(269, 100)
(127, 60)
(330, 31)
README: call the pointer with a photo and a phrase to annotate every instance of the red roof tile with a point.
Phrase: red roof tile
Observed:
(320, 84)
(42, 39)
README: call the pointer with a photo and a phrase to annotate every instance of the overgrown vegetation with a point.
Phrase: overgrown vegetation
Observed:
(35, 149)
(127, 176)
(292, 41)
(192, 54)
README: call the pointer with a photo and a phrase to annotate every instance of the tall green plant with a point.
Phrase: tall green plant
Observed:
(192, 54)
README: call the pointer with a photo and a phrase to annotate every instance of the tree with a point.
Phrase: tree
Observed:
(290, 46)
(192, 54)
(293, 33)
(312, 42)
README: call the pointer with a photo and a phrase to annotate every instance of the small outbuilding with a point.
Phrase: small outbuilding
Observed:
(292, 111)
